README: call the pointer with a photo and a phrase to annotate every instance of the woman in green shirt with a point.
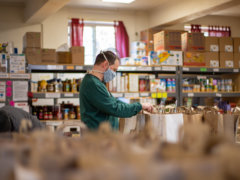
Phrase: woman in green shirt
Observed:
(96, 102)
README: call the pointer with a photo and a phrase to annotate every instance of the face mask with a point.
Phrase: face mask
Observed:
(109, 75)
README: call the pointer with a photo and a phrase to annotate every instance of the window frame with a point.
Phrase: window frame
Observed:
(94, 25)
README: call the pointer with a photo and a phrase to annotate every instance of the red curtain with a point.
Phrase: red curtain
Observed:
(122, 39)
(195, 28)
(219, 31)
(77, 32)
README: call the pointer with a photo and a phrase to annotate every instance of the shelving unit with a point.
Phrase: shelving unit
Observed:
(160, 71)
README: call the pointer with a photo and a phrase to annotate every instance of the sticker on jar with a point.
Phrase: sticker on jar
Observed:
(228, 48)
(214, 63)
(229, 63)
(214, 48)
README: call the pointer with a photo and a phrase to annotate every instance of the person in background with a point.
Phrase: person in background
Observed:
(97, 104)
(11, 119)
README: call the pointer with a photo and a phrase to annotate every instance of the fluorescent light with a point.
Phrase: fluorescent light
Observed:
(119, 1)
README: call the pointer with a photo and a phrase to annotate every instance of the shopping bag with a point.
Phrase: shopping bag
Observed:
(230, 122)
(193, 118)
(127, 125)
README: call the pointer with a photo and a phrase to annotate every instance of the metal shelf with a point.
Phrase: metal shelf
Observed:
(211, 94)
(209, 70)
(50, 95)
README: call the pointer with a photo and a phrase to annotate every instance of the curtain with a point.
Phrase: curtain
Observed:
(195, 28)
(122, 39)
(219, 31)
(77, 32)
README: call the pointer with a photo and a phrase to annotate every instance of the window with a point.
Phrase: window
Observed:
(204, 29)
(97, 36)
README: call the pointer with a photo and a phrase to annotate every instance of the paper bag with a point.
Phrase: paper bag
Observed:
(127, 125)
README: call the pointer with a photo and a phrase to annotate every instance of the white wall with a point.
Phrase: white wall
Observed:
(54, 28)
(233, 22)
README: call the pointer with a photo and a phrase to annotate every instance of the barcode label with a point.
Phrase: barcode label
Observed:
(185, 69)
(235, 70)
(68, 95)
(79, 67)
(215, 70)
(168, 68)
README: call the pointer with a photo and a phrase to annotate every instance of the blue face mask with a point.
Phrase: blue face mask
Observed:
(109, 75)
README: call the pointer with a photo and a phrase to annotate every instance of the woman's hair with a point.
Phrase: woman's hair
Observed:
(106, 55)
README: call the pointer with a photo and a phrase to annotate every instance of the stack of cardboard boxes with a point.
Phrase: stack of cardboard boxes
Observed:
(236, 49)
(212, 52)
(193, 47)
(35, 54)
(167, 49)
(226, 52)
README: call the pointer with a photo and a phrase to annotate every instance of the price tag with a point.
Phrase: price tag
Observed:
(59, 67)
(235, 70)
(218, 95)
(69, 67)
(159, 95)
(142, 68)
(144, 94)
(78, 67)
(4, 75)
(185, 69)
(68, 95)
(52, 95)
(203, 69)
(190, 94)
(131, 95)
(168, 68)
(117, 94)
(215, 70)
(157, 68)
(53, 123)
(127, 68)
(20, 76)
(154, 95)
(165, 95)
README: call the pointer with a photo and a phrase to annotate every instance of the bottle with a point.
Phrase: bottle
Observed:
(66, 114)
(40, 115)
(72, 114)
(50, 116)
(74, 86)
(78, 112)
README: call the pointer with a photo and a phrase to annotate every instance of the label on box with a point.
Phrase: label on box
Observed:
(52, 95)
(214, 63)
(235, 70)
(228, 48)
(229, 63)
(216, 70)
(218, 95)
(214, 48)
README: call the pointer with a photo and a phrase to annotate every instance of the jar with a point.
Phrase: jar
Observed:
(50, 87)
(65, 116)
(43, 86)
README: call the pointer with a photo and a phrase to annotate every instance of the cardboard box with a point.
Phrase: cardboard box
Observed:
(49, 56)
(226, 60)
(193, 41)
(77, 55)
(226, 44)
(167, 40)
(212, 44)
(64, 57)
(194, 59)
(212, 59)
(32, 40)
(236, 58)
(33, 55)
(172, 58)
(236, 45)
(17, 63)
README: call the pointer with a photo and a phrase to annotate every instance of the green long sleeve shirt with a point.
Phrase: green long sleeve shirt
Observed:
(98, 105)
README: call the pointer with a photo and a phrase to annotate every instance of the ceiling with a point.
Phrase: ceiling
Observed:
(136, 5)
(233, 11)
